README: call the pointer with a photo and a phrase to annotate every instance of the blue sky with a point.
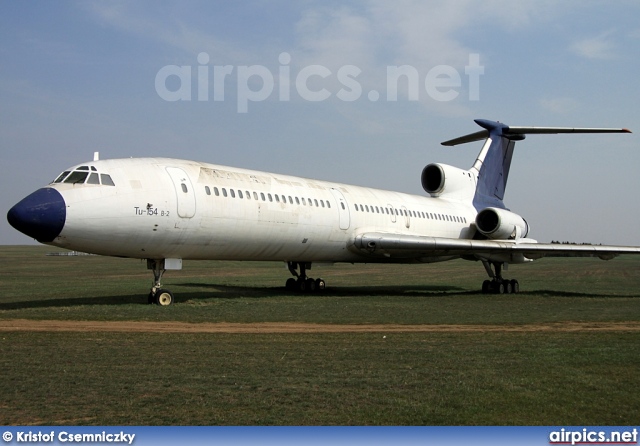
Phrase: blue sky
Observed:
(79, 77)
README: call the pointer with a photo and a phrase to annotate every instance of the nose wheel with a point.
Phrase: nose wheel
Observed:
(162, 297)
(158, 295)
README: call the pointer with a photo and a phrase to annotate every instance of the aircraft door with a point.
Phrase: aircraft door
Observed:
(407, 216)
(393, 212)
(185, 194)
(343, 209)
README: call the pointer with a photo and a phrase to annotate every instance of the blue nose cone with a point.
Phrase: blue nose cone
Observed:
(40, 215)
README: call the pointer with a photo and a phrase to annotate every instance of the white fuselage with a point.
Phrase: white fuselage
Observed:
(167, 208)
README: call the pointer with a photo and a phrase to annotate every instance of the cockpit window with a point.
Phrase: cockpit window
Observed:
(93, 178)
(85, 175)
(77, 177)
(61, 177)
(106, 180)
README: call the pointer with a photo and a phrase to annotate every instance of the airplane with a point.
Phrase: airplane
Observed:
(168, 210)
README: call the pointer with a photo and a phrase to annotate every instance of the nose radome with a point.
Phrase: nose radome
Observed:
(40, 215)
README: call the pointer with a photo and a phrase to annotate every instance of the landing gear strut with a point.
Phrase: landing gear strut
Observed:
(498, 284)
(158, 295)
(301, 282)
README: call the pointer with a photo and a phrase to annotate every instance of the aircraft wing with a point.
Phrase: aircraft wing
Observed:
(423, 248)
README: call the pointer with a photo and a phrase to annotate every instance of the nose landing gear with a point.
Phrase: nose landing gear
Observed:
(158, 295)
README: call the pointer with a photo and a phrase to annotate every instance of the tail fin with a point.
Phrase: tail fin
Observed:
(494, 160)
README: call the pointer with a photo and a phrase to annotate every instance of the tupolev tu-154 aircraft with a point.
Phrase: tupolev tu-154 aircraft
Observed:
(166, 210)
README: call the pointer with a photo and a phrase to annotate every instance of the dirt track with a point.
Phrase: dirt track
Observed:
(284, 327)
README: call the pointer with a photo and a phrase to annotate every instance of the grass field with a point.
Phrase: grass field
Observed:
(450, 376)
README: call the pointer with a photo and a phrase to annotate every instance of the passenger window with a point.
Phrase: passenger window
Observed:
(207, 190)
(224, 192)
(304, 202)
(329, 205)
(262, 196)
(216, 191)
(240, 194)
(248, 195)
(255, 195)
(297, 200)
(342, 204)
(184, 188)
(277, 198)
(93, 179)
(270, 197)
(233, 193)
(106, 180)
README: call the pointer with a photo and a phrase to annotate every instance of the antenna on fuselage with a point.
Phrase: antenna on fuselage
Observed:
(96, 156)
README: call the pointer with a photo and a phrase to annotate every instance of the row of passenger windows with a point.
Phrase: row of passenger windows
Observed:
(409, 213)
(267, 197)
(232, 193)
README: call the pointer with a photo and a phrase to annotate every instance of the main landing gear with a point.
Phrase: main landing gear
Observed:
(301, 282)
(158, 295)
(498, 284)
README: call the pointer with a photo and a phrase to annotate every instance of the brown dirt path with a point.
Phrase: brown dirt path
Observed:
(295, 327)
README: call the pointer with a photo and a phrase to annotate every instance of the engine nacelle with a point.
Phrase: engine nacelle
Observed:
(444, 180)
(499, 224)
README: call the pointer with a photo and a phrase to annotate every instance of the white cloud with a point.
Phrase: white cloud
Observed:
(601, 47)
(168, 29)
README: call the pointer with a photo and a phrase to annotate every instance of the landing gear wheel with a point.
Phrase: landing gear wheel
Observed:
(302, 283)
(163, 297)
(497, 284)
(311, 285)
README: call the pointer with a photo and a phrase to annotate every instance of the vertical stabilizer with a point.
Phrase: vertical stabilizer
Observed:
(492, 165)
(494, 160)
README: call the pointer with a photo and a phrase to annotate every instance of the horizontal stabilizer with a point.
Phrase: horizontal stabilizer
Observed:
(507, 131)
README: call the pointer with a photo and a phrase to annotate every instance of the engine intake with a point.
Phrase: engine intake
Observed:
(499, 224)
(442, 179)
